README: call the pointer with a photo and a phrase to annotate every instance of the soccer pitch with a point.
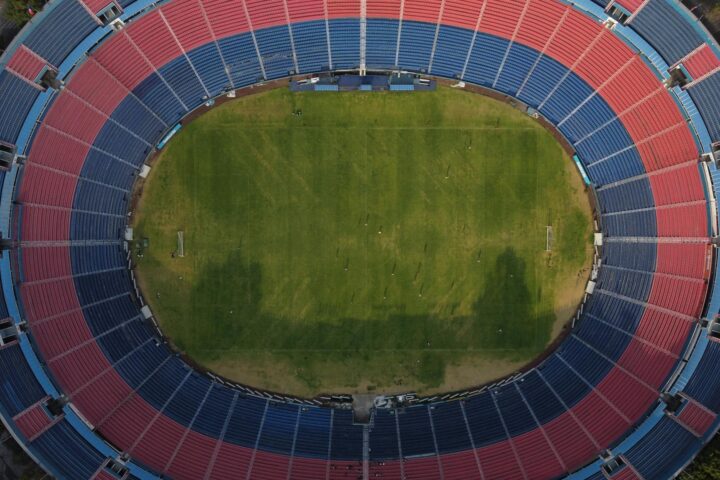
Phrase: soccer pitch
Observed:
(361, 242)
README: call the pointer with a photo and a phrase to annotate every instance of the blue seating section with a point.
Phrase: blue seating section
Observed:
(68, 452)
(485, 423)
(276, 51)
(241, 59)
(139, 119)
(246, 419)
(626, 196)
(278, 430)
(209, 65)
(181, 78)
(18, 387)
(449, 427)
(636, 256)
(156, 94)
(485, 59)
(451, 51)
(703, 385)
(95, 197)
(655, 456)
(311, 46)
(514, 411)
(382, 41)
(416, 434)
(538, 394)
(416, 43)
(706, 96)
(61, 31)
(631, 224)
(345, 43)
(666, 30)
(313, 434)
(346, 437)
(95, 258)
(518, 64)
(15, 103)
(117, 141)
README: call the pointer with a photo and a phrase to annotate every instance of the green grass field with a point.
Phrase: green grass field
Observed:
(389, 242)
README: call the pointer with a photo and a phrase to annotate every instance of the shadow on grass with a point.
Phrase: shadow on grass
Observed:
(503, 324)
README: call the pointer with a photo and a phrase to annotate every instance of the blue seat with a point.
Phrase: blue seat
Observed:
(67, 452)
(213, 414)
(313, 435)
(518, 63)
(241, 59)
(450, 430)
(345, 43)
(104, 168)
(154, 92)
(209, 66)
(703, 386)
(15, 103)
(416, 43)
(18, 386)
(139, 119)
(545, 405)
(626, 196)
(631, 224)
(68, 24)
(566, 384)
(515, 413)
(706, 96)
(416, 435)
(311, 46)
(383, 436)
(278, 430)
(485, 59)
(276, 51)
(666, 30)
(244, 424)
(663, 451)
(451, 51)
(484, 420)
(381, 43)
(183, 80)
(347, 439)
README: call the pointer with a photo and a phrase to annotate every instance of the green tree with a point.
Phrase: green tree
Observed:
(17, 10)
(707, 465)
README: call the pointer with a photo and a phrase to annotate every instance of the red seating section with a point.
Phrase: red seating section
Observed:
(343, 8)
(701, 62)
(95, 6)
(266, 13)
(26, 64)
(376, 8)
(304, 10)
(34, 421)
(630, 5)
(422, 10)
(183, 16)
(627, 473)
(696, 418)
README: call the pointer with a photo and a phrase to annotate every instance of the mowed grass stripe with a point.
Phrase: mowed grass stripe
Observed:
(377, 240)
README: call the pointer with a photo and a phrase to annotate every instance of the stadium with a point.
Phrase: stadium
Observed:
(530, 184)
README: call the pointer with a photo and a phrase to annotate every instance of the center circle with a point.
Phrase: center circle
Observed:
(314, 243)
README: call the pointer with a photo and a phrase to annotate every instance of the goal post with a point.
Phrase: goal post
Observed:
(181, 244)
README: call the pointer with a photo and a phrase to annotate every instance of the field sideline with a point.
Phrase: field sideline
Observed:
(363, 242)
